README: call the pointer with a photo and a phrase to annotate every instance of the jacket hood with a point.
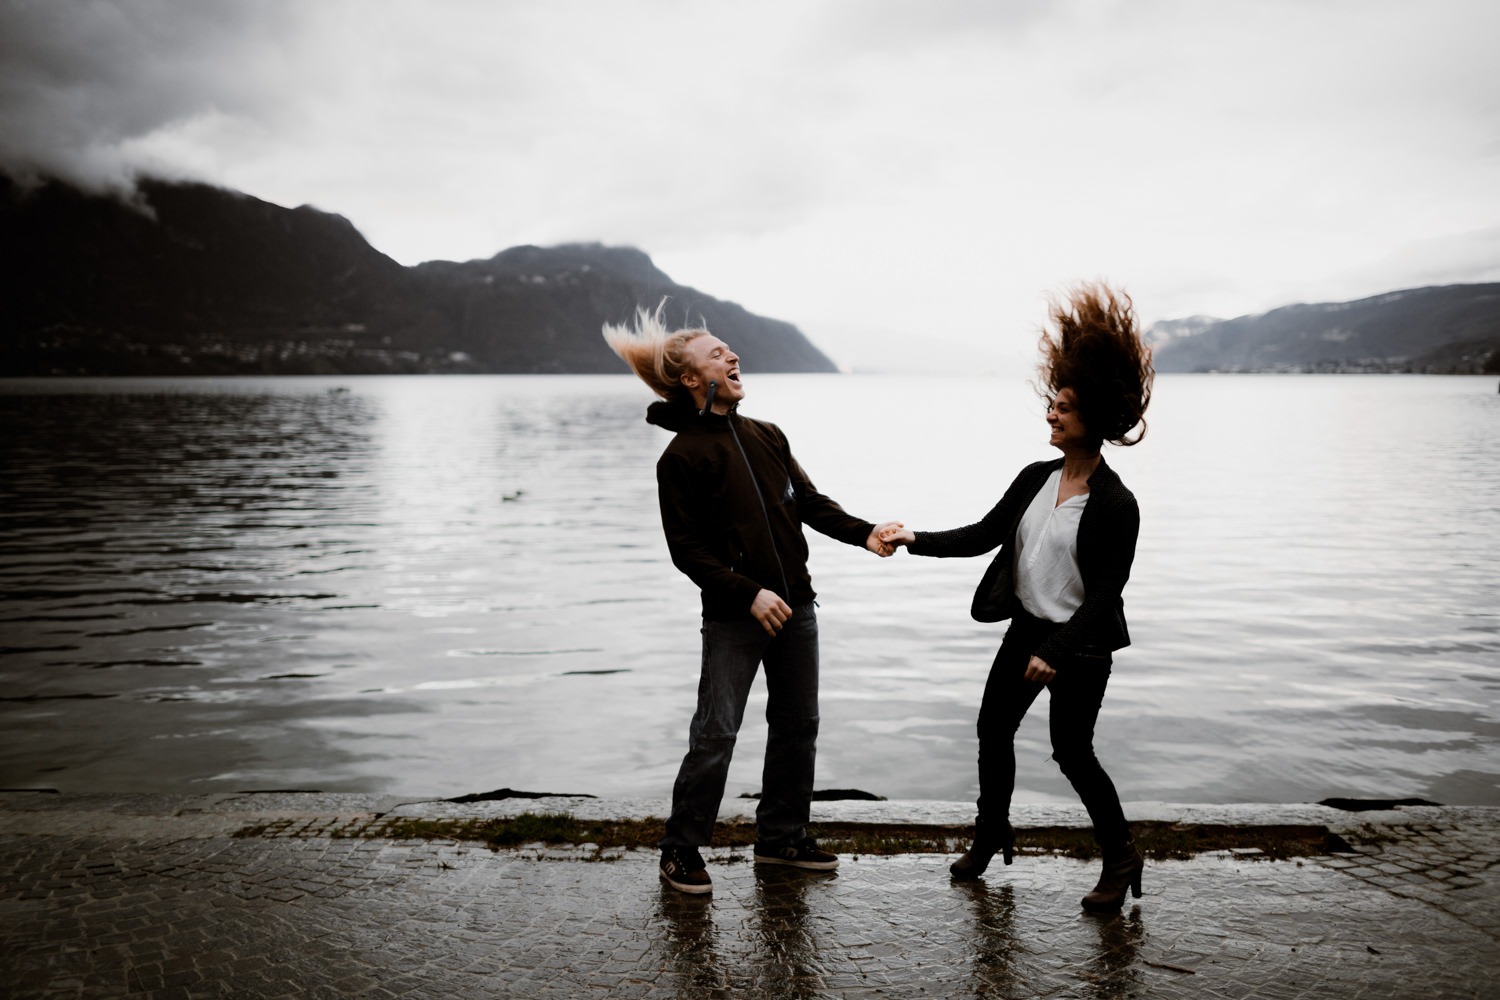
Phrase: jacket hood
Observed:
(682, 415)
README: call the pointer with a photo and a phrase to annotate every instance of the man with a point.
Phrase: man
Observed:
(733, 503)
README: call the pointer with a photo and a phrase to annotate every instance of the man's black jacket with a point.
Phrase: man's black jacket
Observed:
(733, 503)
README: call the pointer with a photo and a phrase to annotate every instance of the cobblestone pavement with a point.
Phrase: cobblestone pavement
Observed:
(105, 897)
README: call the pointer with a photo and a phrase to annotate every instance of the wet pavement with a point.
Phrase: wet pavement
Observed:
(104, 896)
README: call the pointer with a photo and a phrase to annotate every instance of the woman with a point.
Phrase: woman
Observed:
(1066, 530)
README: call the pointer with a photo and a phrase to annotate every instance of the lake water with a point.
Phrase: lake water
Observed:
(432, 586)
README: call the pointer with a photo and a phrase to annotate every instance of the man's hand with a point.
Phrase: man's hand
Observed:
(896, 534)
(1038, 670)
(877, 543)
(770, 610)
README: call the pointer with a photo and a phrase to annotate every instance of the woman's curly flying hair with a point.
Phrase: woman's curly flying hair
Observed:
(1093, 346)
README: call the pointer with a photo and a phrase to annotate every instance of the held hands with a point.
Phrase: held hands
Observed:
(877, 544)
(894, 534)
(771, 611)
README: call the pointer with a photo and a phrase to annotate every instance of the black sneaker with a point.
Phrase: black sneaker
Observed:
(682, 868)
(803, 854)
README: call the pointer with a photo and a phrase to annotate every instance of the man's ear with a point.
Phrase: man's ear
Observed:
(690, 379)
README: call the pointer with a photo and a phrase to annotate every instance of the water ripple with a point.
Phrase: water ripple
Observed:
(1313, 603)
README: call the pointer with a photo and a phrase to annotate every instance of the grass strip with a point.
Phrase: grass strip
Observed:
(1159, 840)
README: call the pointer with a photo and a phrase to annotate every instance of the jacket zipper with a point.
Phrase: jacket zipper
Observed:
(765, 511)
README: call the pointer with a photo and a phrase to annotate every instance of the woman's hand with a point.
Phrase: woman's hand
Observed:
(1038, 670)
(896, 534)
(770, 610)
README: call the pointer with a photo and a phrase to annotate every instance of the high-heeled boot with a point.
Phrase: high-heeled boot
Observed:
(989, 837)
(1122, 870)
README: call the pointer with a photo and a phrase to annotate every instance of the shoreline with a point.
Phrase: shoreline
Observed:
(588, 828)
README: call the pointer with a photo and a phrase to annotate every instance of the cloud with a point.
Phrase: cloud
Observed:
(80, 82)
(1457, 258)
(850, 165)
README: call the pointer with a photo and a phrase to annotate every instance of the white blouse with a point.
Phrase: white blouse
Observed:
(1049, 584)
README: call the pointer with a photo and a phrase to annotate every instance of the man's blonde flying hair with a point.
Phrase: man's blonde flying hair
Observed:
(657, 355)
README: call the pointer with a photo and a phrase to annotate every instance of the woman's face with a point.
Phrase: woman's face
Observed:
(1068, 431)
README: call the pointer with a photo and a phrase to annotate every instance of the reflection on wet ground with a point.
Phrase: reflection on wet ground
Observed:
(785, 960)
(788, 949)
(273, 896)
(788, 941)
(994, 937)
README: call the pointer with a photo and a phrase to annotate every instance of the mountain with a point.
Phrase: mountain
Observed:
(1442, 329)
(193, 279)
(535, 309)
(1165, 331)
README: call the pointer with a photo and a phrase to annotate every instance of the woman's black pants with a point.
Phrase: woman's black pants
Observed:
(1076, 694)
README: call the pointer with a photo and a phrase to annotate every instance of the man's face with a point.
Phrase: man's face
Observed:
(711, 360)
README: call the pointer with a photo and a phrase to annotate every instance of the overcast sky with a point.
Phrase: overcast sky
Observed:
(870, 170)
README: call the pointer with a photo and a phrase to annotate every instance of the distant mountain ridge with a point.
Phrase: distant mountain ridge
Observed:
(212, 281)
(1446, 329)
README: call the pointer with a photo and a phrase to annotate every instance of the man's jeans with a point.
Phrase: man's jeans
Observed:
(732, 651)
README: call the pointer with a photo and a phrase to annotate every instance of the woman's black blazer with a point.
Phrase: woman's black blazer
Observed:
(1106, 548)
